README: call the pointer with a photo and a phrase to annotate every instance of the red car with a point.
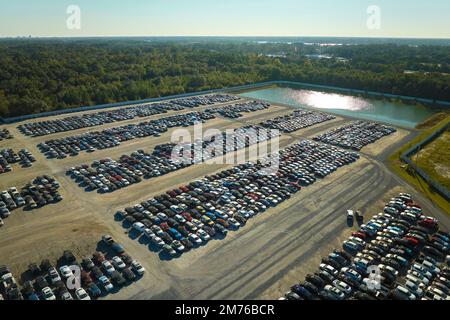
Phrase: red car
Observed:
(165, 226)
(412, 241)
(187, 216)
(360, 235)
(428, 223)
(184, 189)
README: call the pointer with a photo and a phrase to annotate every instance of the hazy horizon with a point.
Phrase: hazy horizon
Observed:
(232, 18)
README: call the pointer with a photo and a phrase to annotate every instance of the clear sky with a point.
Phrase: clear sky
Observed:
(399, 18)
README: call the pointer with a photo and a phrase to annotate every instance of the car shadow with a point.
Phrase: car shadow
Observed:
(350, 223)
(153, 247)
(133, 234)
(26, 276)
(118, 217)
(144, 240)
(126, 224)
(166, 257)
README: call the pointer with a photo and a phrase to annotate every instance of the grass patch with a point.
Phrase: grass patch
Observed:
(432, 121)
(400, 168)
(434, 158)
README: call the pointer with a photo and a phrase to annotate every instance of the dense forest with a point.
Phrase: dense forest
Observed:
(44, 75)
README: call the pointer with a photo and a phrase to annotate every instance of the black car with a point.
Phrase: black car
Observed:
(128, 274)
(315, 280)
(40, 283)
(96, 272)
(45, 265)
(433, 252)
(187, 244)
(94, 291)
(34, 269)
(117, 278)
(69, 257)
(87, 264)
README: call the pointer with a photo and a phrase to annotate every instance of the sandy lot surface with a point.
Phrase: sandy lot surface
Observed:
(260, 261)
(384, 143)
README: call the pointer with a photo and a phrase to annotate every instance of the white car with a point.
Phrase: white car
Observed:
(342, 286)
(178, 246)
(179, 219)
(431, 267)
(233, 223)
(195, 239)
(54, 276)
(406, 292)
(335, 292)
(118, 263)
(389, 269)
(1, 222)
(104, 281)
(329, 269)
(47, 294)
(148, 233)
(137, 267)
(419, 276)
(108, 266)
(66, 272)
(157, 240)
(203, 235)
(81, 294)
(422, 270)
(162, 216)
(197, 223)
(139, 227)
(414, 288)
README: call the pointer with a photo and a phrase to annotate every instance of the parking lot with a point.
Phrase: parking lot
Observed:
(106, 271)
(356, 135)
(93, 119)
(398, 254)
(261, 260)
(299, 119)
(185, 218)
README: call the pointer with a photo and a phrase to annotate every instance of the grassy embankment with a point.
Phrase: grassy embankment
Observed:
(439, 158)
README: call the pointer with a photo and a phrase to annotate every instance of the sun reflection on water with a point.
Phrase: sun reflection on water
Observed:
(322, 100)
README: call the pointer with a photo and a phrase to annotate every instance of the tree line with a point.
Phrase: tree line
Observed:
(46, 75)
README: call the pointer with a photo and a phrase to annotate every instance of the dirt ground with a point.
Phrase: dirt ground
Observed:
(262, 260)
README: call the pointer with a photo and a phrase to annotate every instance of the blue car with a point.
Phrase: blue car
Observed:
(174, 233)
(211, 215)
(118, 248)
(94, 291)
(33, 297)
(220, 215)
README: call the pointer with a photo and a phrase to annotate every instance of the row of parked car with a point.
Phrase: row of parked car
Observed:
(202, 150)
(356, 134)
(40, 192)
(191, 215)
(299, 119)
(5, 134)
(234, 111)
(399, 254)
(42, 128)
(112, 137)
(108, 175)
(9, 156)
(88, 279)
